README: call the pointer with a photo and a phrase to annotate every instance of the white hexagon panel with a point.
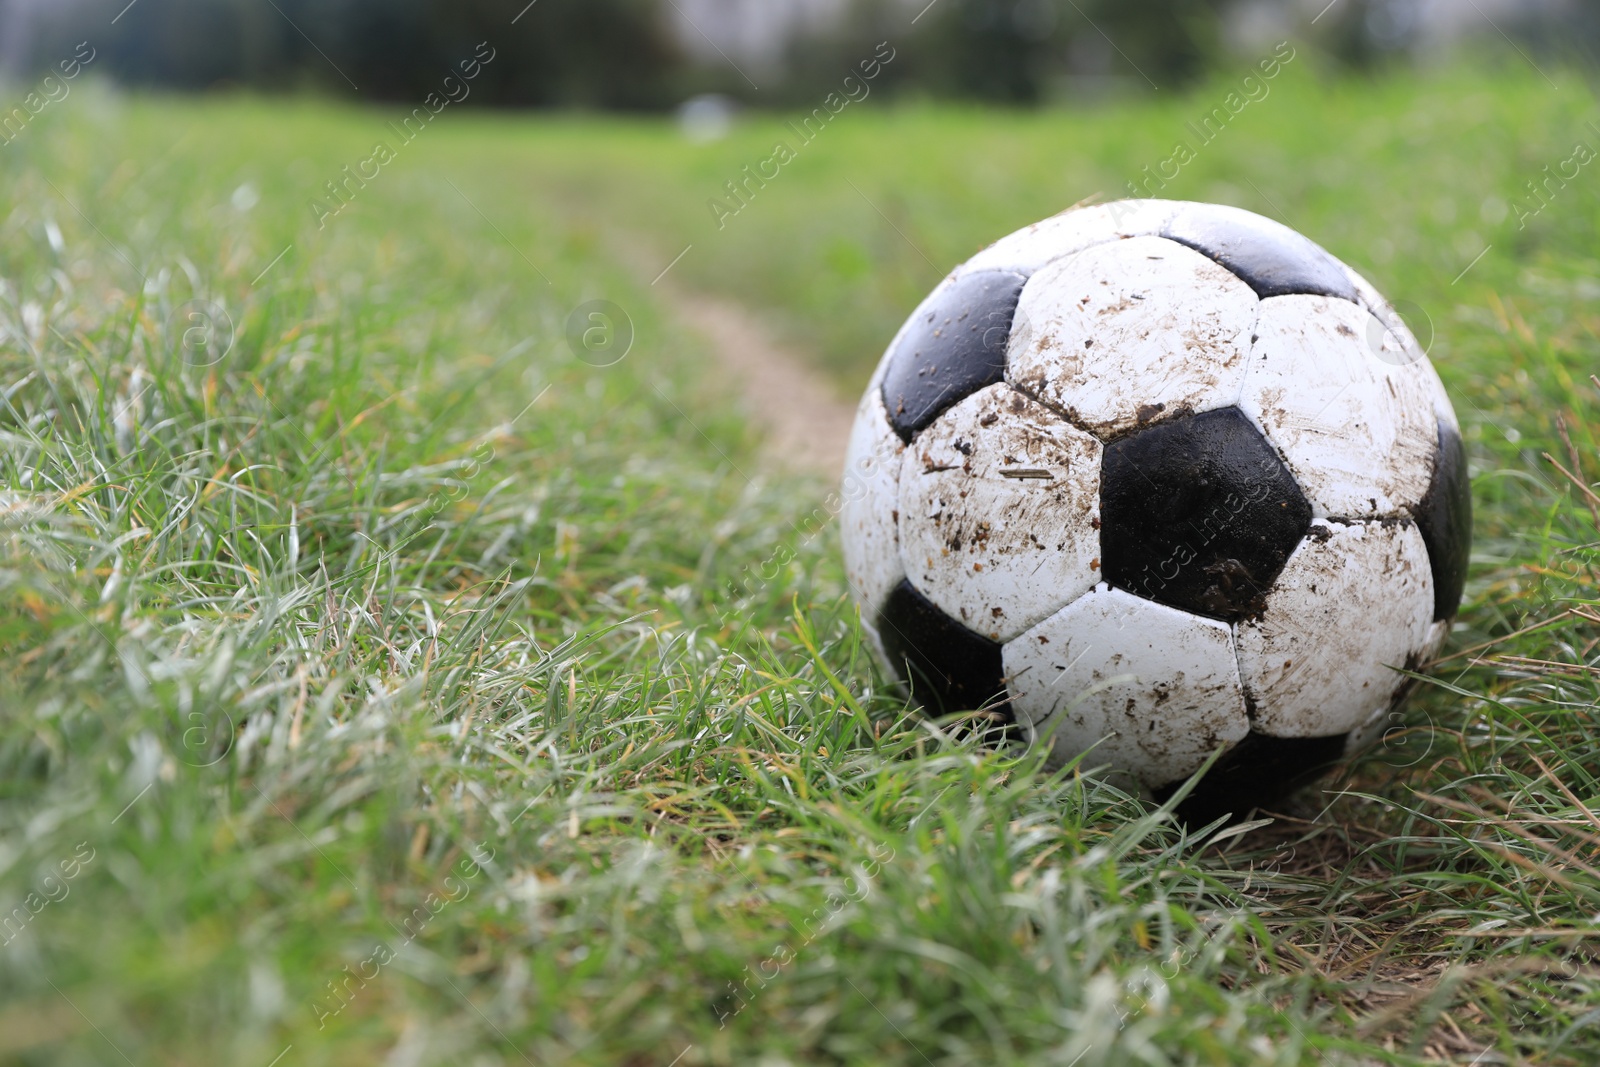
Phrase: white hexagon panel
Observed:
(999, 512)
(1353, 601)
(1399, 345)
(1123, 334)
(1359, 433)
(1155, 690)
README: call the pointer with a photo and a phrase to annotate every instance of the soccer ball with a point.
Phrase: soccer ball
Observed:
(1150, 479)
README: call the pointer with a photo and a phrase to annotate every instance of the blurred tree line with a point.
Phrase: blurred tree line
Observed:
(579, 53)
(625, 54)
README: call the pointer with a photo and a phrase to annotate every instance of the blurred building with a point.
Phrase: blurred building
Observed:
(21, 22)
(757, 32)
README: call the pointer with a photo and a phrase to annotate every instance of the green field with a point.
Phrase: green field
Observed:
(392, 686)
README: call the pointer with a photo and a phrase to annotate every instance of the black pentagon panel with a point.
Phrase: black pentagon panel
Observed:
(947, 667)
(1256, 773)
(1271, 258)
(954, 347)
(1199, 513)
(1445, 520)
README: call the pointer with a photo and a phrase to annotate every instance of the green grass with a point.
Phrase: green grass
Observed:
(355, 710)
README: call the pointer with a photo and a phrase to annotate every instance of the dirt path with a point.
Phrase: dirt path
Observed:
(804, 421)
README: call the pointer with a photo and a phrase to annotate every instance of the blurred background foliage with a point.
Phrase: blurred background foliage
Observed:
(653, 54)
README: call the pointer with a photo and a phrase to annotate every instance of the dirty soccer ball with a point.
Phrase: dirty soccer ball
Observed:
(1156, 478)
